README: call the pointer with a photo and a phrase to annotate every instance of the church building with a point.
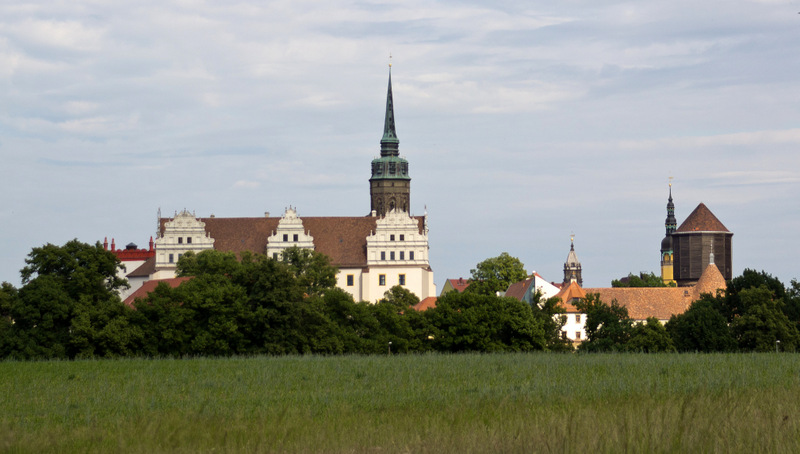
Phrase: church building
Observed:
(373, 253)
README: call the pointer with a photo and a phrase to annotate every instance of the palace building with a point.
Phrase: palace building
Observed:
(388, 247)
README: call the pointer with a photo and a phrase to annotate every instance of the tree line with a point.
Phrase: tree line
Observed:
(68, 307)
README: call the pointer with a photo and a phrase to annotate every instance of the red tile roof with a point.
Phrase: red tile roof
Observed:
(517, 290)
(459, 284)
(343, 239)
(701, 220)
(645, 302)
(151, 285)
(427, 303)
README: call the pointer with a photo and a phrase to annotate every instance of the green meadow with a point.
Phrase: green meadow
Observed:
(406, 403)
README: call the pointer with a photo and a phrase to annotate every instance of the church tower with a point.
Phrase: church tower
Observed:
(389, 185)
(667, 254)
(572, 267)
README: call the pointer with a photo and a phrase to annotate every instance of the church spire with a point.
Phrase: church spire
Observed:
(667, 254)
(389, 143)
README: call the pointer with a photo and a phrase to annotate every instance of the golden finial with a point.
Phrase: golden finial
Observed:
(670, 181)
(390, 59)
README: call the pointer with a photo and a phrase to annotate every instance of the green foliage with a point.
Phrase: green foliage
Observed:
(312, 270)
(475, 322)
(650, 337)
(763, 324)
(608, 327)
(68, 305)
(400, 297)
(701, 328)
(642, 280)
(732, 305)
(496, 274)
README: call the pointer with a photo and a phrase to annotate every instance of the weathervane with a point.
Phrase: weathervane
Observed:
(390, 59)
(670, 181)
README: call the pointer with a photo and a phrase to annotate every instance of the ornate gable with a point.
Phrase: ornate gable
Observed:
(289, 233)
(397, 240)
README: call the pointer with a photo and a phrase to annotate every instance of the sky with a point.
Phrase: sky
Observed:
(523, 122)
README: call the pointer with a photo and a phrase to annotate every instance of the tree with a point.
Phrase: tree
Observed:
(642, 280)
(68, 305)
(732, 305)
(496, 274)
(400, 297)
(650, 337)
(608, 327)
(763, 323)
(475, 322)
(702, 328)
(312, 270)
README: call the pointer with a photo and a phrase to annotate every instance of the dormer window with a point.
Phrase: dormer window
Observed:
(391, 237)
(180, 240)
(286, 237)
(402, 237)
(295, 238)
(188, 240)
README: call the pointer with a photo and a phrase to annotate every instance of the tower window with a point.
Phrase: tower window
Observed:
(392, 168)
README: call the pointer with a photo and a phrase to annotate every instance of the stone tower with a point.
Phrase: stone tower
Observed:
(666, 244)
(389, 185)
(572, 267)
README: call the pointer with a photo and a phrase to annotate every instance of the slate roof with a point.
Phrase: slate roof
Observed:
(145, 269)
(701, 220)
(343, 239)
(151, 285)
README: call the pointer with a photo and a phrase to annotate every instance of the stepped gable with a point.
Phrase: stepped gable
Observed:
(710, 281)
(343, 239)
(644, 302)
(702, 220)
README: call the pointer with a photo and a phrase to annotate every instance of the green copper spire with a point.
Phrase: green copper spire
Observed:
(389, 143)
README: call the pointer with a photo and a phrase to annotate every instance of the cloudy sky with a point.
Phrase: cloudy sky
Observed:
(523, 122)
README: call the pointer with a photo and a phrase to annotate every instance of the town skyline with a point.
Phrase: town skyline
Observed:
(522, 124)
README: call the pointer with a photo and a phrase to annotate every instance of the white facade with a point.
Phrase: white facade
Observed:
(397, 254)
(575, 327)
(290, 233)
(182, 234)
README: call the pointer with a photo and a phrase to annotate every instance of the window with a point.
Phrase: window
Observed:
(402, 279)
(188, 240)
(171, 258)
(179, 256)
(391, 237)
(349, 280)
(274, 256)
(411, 255)
(577, 318)
(383, 255)
(295, 238)
(391, 255)
(285, 237)
(577, 335)
(402, 237)
(381, 279)
(180, 240)
(402, 255)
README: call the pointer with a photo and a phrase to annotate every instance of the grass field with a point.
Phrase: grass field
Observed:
(431, 403)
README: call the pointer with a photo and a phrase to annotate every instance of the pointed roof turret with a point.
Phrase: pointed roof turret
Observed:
(389, 143)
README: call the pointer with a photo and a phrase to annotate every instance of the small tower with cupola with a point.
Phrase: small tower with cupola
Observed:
(667, 254)
(572, 267)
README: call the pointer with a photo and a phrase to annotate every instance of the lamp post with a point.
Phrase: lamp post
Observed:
(390, 347)
(777, 343)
